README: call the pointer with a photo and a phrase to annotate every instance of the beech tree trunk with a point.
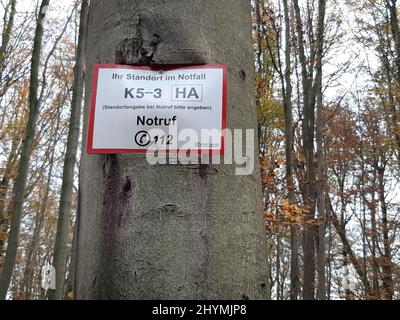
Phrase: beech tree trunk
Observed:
(172, 231)
(64, 214)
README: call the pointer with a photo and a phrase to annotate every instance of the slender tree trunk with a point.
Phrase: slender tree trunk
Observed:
(4, 190)
(288, 90)
(308, 126)
(320, 190)
(259, 9)
(329, 258)
(30, 255)
(393, 86)
(346, 248)
(395, 28)
(364, 221)
(64, 213)
(348, 253)
(311, 79)
(32, 250)
(173, 231)
(19, 190)
(6, 36)
(375, 265)
(374, 236)
(387, 268)
(40, 216)
(321, 289)
(70, 282)
(278, 267)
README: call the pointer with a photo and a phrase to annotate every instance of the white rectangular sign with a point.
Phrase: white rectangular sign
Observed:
(171, 109)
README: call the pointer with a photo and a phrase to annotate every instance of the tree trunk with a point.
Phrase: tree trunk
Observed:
(172, 231)
(6, 36)
(19, 190)
(321, 205)
(374, 235)
(395, 28)
(4, 190)
(347, 250)
(258, 10)
(387, 269)
(308, 124)
(288, 90)
(31, 252)
(278, 268)
(311, 79)
(320, 190)
(64, 213)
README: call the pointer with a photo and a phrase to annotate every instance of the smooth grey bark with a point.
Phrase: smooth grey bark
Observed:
(64, 212)
(27, 147)
(172, 231)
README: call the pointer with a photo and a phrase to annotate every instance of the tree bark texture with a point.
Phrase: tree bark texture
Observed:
(172, 231)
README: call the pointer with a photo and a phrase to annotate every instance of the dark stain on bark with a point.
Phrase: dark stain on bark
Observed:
(203, 171)
(116, 207)
(125, 200)
(111, 198)
(148, 51)
(128, 51)
(118, 192)
(243, 75)
(171, 210)
(138, 50)
(127, 185)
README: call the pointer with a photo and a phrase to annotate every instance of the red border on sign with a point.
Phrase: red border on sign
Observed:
(93, 98)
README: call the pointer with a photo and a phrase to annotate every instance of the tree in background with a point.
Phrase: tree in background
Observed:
(26, 152)
(36, 239)
(65, 211)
